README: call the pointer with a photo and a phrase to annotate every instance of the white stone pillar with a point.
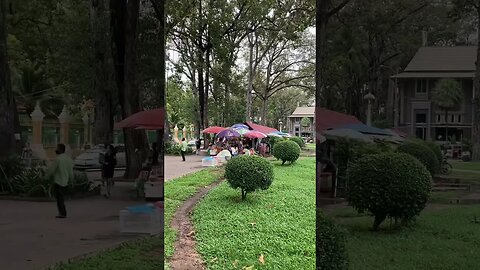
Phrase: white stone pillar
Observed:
(37, 129)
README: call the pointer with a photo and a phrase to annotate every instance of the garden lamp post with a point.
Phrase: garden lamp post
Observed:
(369, 97)
(280, 123)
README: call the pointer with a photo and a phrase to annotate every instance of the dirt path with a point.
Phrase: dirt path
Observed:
(185, 255)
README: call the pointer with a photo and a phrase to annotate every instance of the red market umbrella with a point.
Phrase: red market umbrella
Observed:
(150, 119)
(255, 134)
(213, 130)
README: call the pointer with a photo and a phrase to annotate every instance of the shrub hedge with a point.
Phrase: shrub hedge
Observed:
(298, 140)
(330, 248)
(249, 173)
(394, 185)
(286, 151)
(423, 153)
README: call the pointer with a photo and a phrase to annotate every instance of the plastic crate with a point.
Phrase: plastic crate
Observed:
(141, 221)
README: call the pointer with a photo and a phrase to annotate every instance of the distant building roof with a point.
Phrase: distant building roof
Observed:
(328, 118)
(260, 128)
(442, 62)
(303, 112)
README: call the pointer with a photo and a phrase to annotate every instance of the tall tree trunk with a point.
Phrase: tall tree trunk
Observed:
(7, 101)
(124, 21)
(200, 66)
(101, 72)
(250, 81)
(476, 116)
(265, 97)
(207, 84)
(320, 50)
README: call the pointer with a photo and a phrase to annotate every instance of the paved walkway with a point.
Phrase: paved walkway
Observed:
(32, 238)
(175, 167)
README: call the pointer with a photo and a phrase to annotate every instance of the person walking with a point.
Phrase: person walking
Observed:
(61, 170)
(183, 150)
(198, 144)
(108, 168)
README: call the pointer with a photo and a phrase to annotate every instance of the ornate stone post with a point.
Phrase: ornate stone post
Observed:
(185, 132)
(175, 134)
(192, 131)
(64, 120)
(37, 129)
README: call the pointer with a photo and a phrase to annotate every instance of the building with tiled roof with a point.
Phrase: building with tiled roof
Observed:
(328, 119)
(416, 113)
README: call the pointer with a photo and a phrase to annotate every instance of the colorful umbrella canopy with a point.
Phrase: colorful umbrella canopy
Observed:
(347, 134)
(213, 130)
(240, 126)
(228, 133)
(254, 134)
(279, 134)
(151, 119)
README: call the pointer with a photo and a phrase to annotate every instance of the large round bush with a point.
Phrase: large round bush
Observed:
(392, 185)
(423, 153)
(331, 251)
(437, 150)
(249, 173)
(286, 151)
(274, 140)
(298, 140)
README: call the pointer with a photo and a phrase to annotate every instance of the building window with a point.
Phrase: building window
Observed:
(452, 118)
(421, 132)
(421, 118)
(459, 118)
(439, 118)
(421, 87)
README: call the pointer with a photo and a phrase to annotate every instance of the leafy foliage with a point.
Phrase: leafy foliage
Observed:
(436, 149)
(274, 140)
(394, 185)
(447, 94)
(249, 173)
(348, 152)
(423, 153)
(287, 151)
(9, 167)
(298, 141)
(331, 247)
(175, 149)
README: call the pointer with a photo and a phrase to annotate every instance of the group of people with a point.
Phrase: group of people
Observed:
(241, 146)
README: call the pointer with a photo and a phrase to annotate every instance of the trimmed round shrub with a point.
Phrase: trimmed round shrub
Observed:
(286, 151)
(331, 249)
(298, 140)
(394, 185)
(274, 140)
(249, 173)
(437, 150)
(423, 153)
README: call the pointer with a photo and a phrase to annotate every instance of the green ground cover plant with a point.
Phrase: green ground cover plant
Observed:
(274, 226)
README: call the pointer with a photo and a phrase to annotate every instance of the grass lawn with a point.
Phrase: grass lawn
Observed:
(310, 146)
(179, 190)
(143, 254)
(443, 238)
(471, 166)
(278, 223)
(466, 176)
